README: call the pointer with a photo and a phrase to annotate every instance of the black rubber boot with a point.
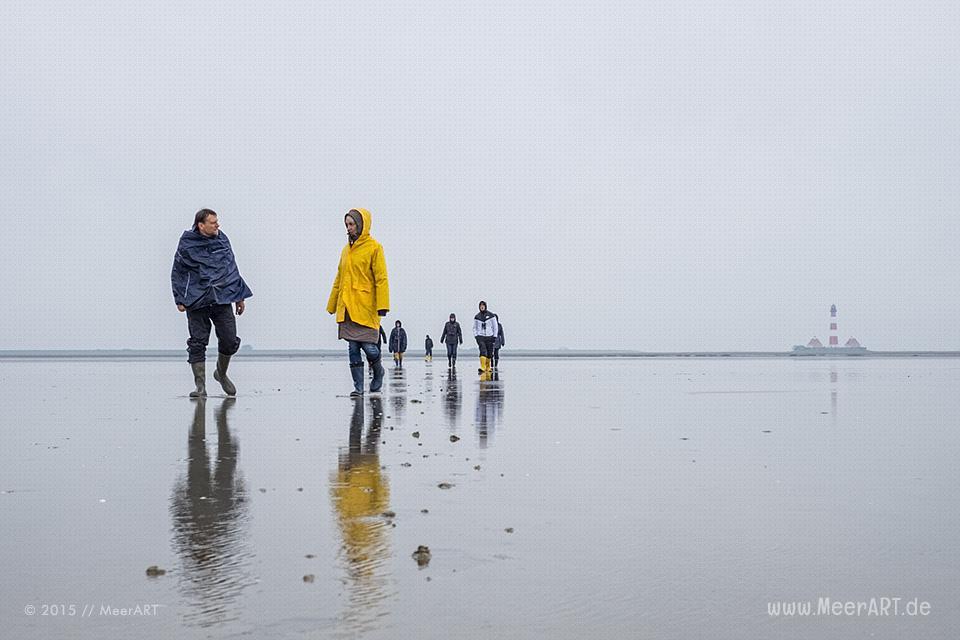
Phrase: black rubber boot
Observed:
(357, 373)
(199, 377)
(220, 375)
(377, 383)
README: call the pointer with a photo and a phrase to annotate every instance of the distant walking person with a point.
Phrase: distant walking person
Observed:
(381, 339)
(206, 282)
(485, 330)
(360, 297)
(428, 349)
(498, 343)
(398, 343)
(451, 337)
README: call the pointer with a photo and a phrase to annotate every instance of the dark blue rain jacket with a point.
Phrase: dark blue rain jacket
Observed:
(398, 340)
(205, 272)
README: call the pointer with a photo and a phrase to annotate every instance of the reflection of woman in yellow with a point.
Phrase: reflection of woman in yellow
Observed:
(360, 493)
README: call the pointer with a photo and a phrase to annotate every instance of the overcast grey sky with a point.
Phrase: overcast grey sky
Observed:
(648, 176)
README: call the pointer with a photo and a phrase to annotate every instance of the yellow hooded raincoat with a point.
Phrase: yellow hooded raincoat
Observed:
(361, 287)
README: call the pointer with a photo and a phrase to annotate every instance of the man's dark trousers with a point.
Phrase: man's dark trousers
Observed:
(225, 324)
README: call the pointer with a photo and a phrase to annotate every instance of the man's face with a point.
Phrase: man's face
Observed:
(483, 307)
(453, 318)
(351, 226)
(209, 227)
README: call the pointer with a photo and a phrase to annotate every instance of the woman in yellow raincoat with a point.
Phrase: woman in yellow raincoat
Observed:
(360, 297)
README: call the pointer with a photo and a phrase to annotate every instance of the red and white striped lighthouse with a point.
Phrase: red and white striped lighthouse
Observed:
(834, 342)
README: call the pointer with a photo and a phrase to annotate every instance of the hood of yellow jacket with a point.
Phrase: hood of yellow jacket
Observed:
(367, 222)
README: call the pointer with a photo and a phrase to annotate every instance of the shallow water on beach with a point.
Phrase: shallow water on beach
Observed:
(608, 498)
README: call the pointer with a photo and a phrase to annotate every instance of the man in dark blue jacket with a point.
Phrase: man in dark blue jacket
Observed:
(451, 336)
(206, 282)
(398, 343)
(499, 342)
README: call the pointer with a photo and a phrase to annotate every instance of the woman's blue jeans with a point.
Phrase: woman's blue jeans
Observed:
(372, 351)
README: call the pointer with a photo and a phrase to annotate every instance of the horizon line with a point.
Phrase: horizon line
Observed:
(520, 353)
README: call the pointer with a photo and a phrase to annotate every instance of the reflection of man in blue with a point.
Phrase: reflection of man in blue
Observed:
(489, 406)
(452, 399)
(398, 392)
(209, 514)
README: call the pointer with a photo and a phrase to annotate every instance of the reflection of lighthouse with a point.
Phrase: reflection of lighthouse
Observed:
(833, 394)
(834, 342)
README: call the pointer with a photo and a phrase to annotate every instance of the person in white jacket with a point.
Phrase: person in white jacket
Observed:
(485, 330)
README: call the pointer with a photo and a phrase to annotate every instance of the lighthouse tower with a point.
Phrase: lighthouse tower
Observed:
(834, 342)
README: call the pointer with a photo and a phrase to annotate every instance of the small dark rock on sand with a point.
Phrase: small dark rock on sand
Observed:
(415, 434)
(389, 514)
(153, 571)
(308, 578)
(454, 438)
(444, 485)
(422, 555)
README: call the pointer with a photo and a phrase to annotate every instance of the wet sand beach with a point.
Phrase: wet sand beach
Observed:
(668, 498)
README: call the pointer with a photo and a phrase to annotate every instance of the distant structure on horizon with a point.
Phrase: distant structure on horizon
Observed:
(852, 347)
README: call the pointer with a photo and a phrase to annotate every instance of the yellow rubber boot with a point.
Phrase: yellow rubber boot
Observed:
(483, 364)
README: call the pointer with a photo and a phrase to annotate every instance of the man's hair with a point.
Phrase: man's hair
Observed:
(202, 216)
